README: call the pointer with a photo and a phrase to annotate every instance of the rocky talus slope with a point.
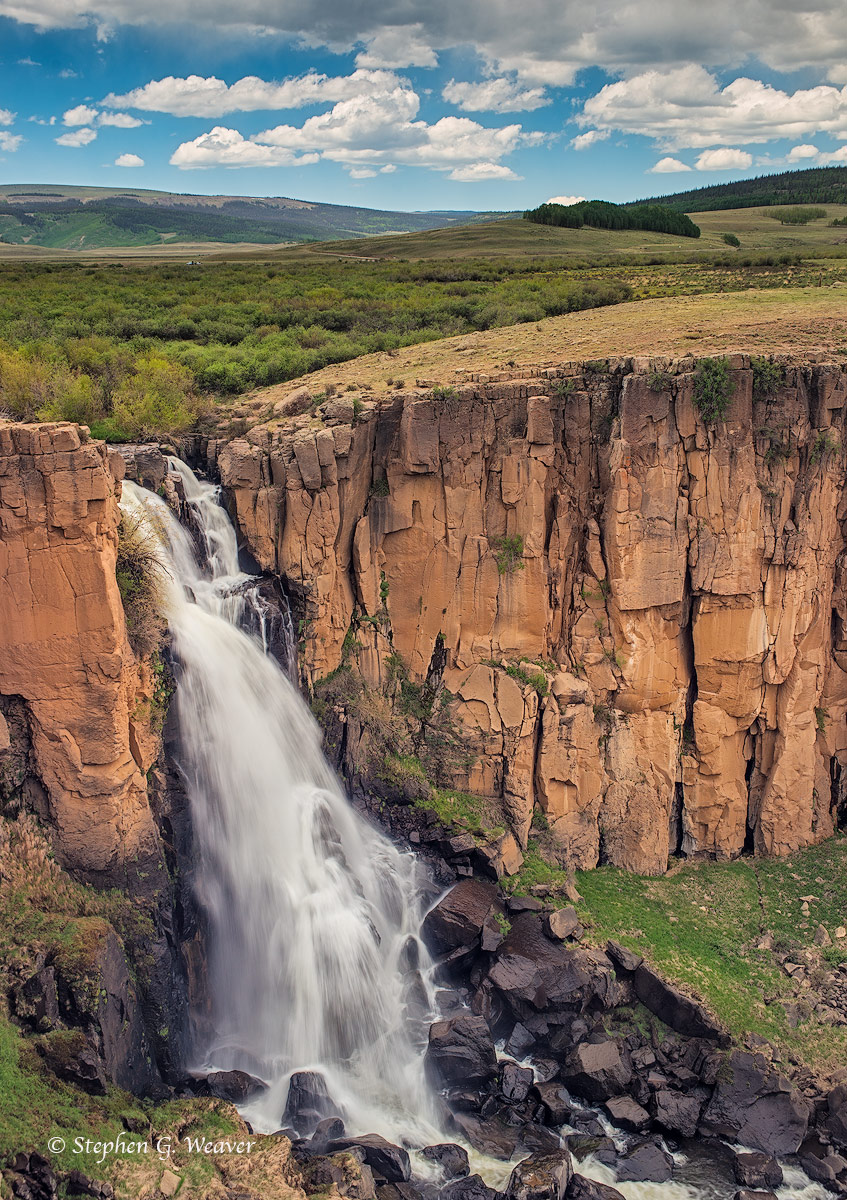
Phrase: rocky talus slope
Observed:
(640, 616)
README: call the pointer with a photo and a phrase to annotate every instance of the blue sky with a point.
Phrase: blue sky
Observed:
(412, 105)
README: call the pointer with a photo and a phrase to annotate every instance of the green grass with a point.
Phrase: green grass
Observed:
(720, 911)
(461, 809)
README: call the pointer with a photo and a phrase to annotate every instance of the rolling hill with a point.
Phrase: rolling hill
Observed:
(815, 185)
(78, 218)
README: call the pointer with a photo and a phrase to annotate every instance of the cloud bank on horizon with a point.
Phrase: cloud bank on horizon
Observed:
(560, 98)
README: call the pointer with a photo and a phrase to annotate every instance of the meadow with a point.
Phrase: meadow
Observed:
(151, 349)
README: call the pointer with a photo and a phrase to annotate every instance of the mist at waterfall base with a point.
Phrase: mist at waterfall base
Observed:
(314, 956)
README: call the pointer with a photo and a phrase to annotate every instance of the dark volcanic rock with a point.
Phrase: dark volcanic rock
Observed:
(836, 1122)
(36, 1000)
(456, 921)
(554, 1098)
(541, 1177)
(308, 1102)
(70, 1055)
(515, 1081)
(674, 1008)
(488, 1136)
(452, 1159)
(677, 1113)
(461, 1052)
(581, 1188)
(745, 1194)
(624, 960)
(757, 1170)
(533, 974)
(647, 1162)
(757, 1107)
(596, 1071)
(330, 1129)
(390, 1161)
(470, 1188)
(235, 1086)
(627, 1114)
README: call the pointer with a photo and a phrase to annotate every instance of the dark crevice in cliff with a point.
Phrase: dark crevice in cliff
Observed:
(750, 829)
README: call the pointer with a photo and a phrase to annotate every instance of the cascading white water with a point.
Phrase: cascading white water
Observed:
(313, 915)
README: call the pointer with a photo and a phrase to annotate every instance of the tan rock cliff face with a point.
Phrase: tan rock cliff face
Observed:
(680, 589)
(63, 648)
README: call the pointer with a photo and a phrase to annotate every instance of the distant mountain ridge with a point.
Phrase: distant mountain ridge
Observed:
(813, 185)
(69, 217)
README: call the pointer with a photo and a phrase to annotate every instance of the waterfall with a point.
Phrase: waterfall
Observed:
(314, 957)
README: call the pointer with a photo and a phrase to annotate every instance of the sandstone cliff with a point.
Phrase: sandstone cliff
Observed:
(641, 617)
(64, 651)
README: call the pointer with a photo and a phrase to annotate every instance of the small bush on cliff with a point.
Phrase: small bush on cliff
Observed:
(508, 552)
(712, 389)
(767, 377)
(139, 575)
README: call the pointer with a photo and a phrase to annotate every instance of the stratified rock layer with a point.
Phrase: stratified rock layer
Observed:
(641, 617)
(63, 648)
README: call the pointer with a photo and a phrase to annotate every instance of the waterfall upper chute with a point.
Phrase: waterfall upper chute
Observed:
(310, 911)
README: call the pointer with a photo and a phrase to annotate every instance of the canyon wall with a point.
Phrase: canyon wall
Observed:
(64, 649)
(640, 617)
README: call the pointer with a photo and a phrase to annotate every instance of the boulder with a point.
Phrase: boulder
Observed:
(330, 1129)
(836, 1121)
(624, 960)
(70, 1055)
(235, 1086)
(627, 1114)
(670, 1005)
(757, 1107)
(390, 1161)
(452, 1159)
(36, 1000)
(352, 1177)
(646, 1163)
(541, 1177)
(79, 1184)
(308, 1102)
(143, 464)
(472, 1187)
(596, 1070)
(677, 1113)
(461, 1052)
(755, 1170)
(746, 1194)
(515, 1081)
(581, 1188)
(555, 1101)
(563, 923)
(456, 921)
(533, 974)
(488, 1135)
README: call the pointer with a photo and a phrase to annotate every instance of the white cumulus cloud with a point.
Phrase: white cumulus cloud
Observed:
(686, 107)
(129, 160)
(583, 140)
(494, 95)
(567, 201)
(667, 166)
(801, 153)
(222, 147)
(724, 159)
(79, 137)
(7, 117)
(482, 172)
(208, 96)
(82, 114)
(9, 141)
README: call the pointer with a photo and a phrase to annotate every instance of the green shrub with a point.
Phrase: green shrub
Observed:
(767, 377)
(796, 215)
(659, 381)
(731, 240)
(139, 573)
(712, 389)
(508, 552)
(825, 443)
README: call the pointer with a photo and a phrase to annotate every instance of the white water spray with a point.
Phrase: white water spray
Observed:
(313, 915)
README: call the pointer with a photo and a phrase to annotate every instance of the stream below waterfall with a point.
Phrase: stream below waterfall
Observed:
(315, 961)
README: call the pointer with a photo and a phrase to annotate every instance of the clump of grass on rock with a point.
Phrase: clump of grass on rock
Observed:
(140, 577)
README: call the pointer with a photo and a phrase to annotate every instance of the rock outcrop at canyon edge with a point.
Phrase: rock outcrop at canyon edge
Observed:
(64, 651)
(680, 588)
